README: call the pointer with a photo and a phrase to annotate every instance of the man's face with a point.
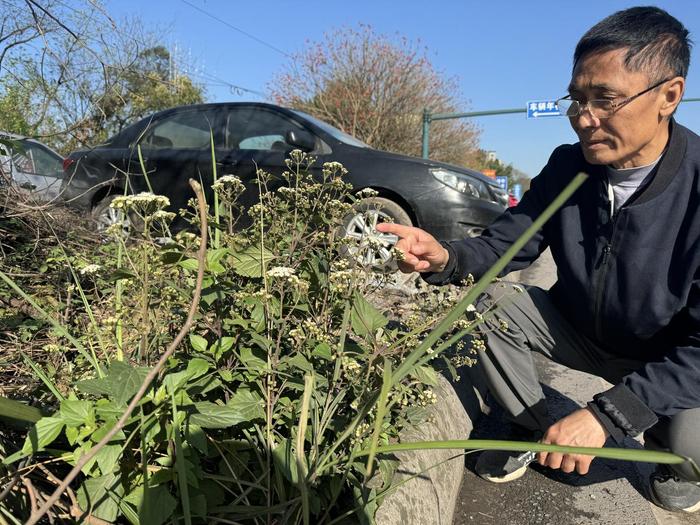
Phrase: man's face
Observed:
(636, 134)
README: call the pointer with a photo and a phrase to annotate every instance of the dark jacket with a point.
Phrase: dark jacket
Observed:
(631, 283)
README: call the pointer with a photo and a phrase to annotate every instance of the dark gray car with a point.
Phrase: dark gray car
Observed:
(448, 201)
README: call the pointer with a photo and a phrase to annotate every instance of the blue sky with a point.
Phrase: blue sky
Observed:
(502, 53)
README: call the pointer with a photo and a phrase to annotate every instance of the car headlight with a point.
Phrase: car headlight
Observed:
(462, 183)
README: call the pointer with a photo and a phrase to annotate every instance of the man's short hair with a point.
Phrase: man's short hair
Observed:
(656, 42)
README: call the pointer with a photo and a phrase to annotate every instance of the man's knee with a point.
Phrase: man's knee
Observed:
(499, 293)
(679, 435)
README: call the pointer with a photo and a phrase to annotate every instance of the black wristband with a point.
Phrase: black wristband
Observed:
(626, 410)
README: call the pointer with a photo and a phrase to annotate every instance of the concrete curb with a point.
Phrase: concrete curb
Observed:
(430, 497)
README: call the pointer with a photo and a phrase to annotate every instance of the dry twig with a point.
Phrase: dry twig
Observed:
(84, 459)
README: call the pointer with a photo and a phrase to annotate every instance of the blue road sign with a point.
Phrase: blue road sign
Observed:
(502, 181)
(517, 191)
(542, 108)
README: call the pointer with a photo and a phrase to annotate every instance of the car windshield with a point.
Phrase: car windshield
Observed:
(333, 132)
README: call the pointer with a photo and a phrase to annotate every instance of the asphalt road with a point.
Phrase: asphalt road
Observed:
(612, 492)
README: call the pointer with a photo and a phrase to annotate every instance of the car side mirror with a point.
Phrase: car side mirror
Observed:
(301, 139)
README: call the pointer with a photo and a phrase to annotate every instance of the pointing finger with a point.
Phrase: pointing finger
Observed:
(398, 229)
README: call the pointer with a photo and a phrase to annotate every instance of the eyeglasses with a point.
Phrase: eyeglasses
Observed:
(599, 108)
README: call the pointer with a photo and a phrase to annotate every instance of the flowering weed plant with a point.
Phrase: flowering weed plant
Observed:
(261, 414)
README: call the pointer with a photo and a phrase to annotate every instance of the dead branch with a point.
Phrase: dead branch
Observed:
(84, 459)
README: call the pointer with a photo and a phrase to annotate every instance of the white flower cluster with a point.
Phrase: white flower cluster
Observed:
(90, 269)
(477, 345)
(365, 193)
(350, 366)
(163, 216)
(398, 254)
(281, 271)
(427, 397)
(334, 168)
(229, 186)
(282, 274)
(361, 430)
(140, 201)
(339, 208)
(341, 281)
(461, 324)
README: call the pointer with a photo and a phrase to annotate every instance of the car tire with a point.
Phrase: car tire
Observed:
(359, 227)
(103, 216)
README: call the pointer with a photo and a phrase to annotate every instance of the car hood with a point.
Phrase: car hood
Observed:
(380, 155)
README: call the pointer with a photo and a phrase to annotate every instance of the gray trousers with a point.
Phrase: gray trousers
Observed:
(521, 322)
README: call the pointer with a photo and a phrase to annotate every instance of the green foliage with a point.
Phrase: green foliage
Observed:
(260, 413)
(15, 108)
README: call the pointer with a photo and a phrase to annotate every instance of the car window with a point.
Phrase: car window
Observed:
(333, 131)
(258, 129)
(36, 159)
(184, 130)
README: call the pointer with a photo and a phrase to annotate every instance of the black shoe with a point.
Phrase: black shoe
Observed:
(501, 466)
(669, 492)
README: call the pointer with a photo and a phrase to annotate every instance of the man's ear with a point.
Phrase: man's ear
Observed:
(672, 93)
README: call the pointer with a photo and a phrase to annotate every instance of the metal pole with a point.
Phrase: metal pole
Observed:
(445, 116)
(426, 132)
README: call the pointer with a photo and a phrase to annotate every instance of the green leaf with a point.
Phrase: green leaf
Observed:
(285, 460)
(196, 437)
(197, 367)
(223, 345)
(251, 361)
(189, 264)
(248, 403)
(172, 257)
(121, 382)
(77, 412)
(365, 319)
(42, 433)
(107, 458)
(214, 260)
(172, 382)
(211, 415)
(198, 343)
(109, 423)
(99, 496)
(300, 362)
(156, 506)
(426, 375)
(243, 406)
(16, 410)
(323, 350)
(122, 273)
(249, 262)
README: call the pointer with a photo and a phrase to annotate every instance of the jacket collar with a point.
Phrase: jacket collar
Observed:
(665, 170)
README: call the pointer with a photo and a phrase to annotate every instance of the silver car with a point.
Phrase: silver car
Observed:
(31, 166)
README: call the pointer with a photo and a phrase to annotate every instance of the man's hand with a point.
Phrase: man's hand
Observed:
(578, 429)
(422, 252)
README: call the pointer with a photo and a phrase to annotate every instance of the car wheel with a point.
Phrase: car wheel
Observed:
(364, 244)
(104, 216)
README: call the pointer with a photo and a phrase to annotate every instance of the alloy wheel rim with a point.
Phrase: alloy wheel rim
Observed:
(370, 248)
(110, 217)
